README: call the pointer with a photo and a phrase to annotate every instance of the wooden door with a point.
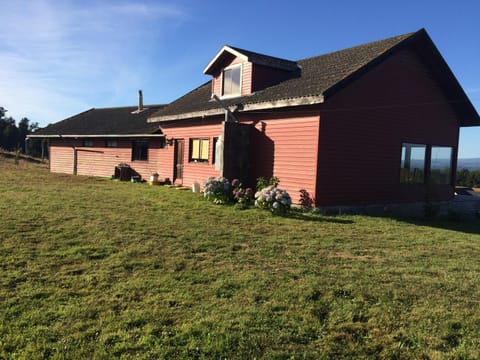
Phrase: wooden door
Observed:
(179, 155)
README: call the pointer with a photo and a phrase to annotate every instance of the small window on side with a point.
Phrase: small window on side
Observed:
(140, 150)
(199, 150)
(111, 143)
(88, 143)
(412, 166)
(214, 153)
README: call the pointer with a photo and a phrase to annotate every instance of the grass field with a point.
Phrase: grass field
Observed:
(93, 268)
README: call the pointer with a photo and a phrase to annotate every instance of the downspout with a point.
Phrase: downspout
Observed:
(228, 113)
(223, 138)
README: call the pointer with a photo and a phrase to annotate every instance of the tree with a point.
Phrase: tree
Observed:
(462, 176)
(11, 136)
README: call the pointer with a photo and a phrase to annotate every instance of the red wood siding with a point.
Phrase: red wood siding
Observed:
(286, 146)
(61, 155)
(217, 85)
(264, 76)
(192, 172)
(363, 126)
(100, 160)
(283, 145)
(246, 78)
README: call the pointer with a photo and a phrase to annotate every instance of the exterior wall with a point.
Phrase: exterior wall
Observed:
(100, 160)
(247, 78)
(186, 130)
(264, 76)
(285, 145)
(61, 155)
(364, 125)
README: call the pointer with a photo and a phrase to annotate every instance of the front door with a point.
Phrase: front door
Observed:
(178, 166)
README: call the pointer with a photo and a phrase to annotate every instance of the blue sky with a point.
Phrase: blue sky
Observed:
(58, 58)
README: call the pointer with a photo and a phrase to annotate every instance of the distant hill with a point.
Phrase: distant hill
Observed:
(469, 164)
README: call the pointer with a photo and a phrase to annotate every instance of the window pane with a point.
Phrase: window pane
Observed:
(236, 80)
(412, 166)
(227, 82)
(204, 153)
(441, 165)
(195, 151)
(231, 81)
(140, 150)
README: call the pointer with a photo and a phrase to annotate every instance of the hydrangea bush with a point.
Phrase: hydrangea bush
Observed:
(218, 190)
(271, 198)
(276, 200)
(243, 197)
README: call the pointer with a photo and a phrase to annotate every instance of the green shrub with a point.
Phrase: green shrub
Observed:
(262, 183)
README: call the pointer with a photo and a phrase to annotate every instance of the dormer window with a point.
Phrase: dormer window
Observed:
(236, 72)
(231, 80)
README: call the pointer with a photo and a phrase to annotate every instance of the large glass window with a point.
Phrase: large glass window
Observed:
(198, 150)
(140, 150)
(441, 165)
(412, 167)
(231, 81)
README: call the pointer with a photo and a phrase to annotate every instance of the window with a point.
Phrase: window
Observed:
(88, 143)
(140, 150)
(412, 167)
(198, 150)
(231, 81)
(214, 154)
(111, 143)
(441, 165)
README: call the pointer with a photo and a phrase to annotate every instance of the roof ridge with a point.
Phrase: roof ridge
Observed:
(401, 38)
(260, 54)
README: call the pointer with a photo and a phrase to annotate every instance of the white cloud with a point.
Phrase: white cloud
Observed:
(56, 57)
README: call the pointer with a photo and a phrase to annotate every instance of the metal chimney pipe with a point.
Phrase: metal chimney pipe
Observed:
(140, 100)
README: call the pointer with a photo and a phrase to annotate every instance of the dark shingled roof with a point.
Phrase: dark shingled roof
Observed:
(106, 121)
(323, 75)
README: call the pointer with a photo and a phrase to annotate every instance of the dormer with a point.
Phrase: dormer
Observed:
(237, 72)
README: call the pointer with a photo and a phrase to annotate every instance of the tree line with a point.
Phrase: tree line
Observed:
(12, 136)
(468, 178)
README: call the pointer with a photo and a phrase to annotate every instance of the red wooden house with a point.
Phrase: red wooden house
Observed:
(373, 124)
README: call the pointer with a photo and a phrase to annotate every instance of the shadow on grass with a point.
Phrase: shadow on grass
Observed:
(467, 225)
(298, 215)
(461, 223)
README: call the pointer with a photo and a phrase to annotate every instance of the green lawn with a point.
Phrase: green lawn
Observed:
(93, 268)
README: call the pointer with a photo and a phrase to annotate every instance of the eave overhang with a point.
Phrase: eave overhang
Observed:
(222, 52)
(267, 105)
(77, 136)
